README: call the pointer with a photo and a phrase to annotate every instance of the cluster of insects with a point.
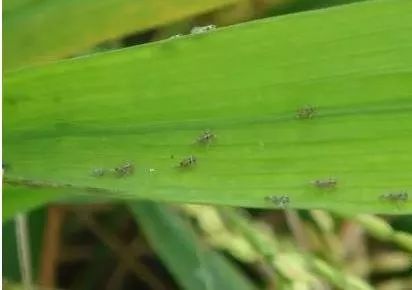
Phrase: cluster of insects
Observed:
(205, 138)
(127, 168)
(122, 170)
(281, 201)
(306, 112)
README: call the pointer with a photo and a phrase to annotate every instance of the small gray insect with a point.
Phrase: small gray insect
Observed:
(325, 183)
(281, 200)
(306, 112)
(188, 162)
(175, 36)
(97, 172)
(206, 137)
(202, 29)
(401, 196)
(5, 167)
(124, 169)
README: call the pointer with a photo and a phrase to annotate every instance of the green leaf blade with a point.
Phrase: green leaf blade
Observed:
(149, 104)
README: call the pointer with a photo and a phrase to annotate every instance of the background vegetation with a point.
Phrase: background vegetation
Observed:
(306, 111)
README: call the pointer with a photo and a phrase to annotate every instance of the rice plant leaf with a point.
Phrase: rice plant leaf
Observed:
(148, 105)
(192, 264)
(42, 31)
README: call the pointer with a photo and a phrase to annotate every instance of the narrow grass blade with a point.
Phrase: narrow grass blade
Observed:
(191, 263)
(41, 31)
